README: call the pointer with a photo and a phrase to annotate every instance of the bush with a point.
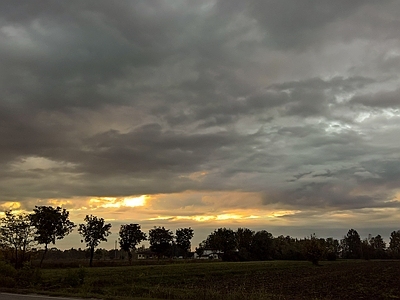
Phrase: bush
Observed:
(74, 278)
(331, 256)
(7, 282)
(7, 270)
(81, 274)
(7, 275)
(28, 276)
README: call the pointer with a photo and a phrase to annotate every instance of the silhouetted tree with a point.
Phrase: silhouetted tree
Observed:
(262, 245)
(224, 241)
(331, 249)
(200, 249)
(314, 249)
(16, 232)
(378, 246)
(160, 240)
(183, 238)
(50, 224)
(244, 240)
(94, 231)
(130, 236)
(394, 244)
(367, 251)
(351, 245)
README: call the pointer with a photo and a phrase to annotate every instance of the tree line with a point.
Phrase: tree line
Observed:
(46, 224)
(245, 244)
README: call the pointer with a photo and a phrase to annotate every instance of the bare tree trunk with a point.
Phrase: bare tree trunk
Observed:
(44, 253)
(91, 256)
(130, 256)
(16, 258)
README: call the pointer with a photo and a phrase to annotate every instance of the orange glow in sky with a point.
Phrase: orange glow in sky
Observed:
(114, 202)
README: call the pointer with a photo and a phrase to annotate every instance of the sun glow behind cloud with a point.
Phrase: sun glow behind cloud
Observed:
(135, 201)
(13, 206)
(191, 207)
(236, 216)
(114, 202)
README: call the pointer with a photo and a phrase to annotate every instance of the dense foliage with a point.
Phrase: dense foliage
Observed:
(130, 235)
(50, 224)
(16, 234)
(183, 240)
(160, 240)
(94, 231)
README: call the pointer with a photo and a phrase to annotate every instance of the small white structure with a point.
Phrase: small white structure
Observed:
(209, 254)
(146, 254)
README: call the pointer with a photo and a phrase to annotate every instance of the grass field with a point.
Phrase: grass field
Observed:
(220, 280)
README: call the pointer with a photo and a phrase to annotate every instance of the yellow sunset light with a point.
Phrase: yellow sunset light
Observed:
(282, 213)
(113, 202)
(136, 201)
(59, 202)
(200, 218)
(10, 206)
(205, 218)
(228, 217)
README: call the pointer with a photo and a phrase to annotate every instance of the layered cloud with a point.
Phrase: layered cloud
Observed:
(292, 104)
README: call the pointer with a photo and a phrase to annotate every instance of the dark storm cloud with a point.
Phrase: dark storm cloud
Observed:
(78, 50)
(383, 99)
(293, 99)
(294, 23)
(333, 194)
(149, 148)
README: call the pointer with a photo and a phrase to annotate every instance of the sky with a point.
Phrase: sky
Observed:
(276, 115)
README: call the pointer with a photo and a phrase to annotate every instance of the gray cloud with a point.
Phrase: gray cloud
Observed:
(383, 99)
(296, 100)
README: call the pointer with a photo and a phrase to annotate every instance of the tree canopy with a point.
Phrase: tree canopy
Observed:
(130, 236)
(351, 244)
(262, 245)
(223, 240)
(183, 239)
(394, 244)
(160, 240)
(16, 232)
(94, 231)
(50, 224)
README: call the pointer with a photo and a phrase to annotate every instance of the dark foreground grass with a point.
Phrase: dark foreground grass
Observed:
(219, 280)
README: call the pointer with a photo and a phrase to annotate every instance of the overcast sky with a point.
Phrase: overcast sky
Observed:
(277, 115)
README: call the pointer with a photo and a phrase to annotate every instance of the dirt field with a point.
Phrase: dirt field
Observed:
(218, 280)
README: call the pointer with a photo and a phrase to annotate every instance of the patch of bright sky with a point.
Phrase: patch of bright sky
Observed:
(207, 6)
(113, 202)
(18, 36)
(14, 206)
(59, 202)
(32, 163)
(237, 216)
(391, 112)
(362, 117)
(248, 125)
(344, 97)
(336, 127)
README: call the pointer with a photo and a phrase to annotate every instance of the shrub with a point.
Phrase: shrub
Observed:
(7, 282)
(81, 274)
(331, 256)
(74, 278)
(7, 275)
(7, 270)
(28, 276)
